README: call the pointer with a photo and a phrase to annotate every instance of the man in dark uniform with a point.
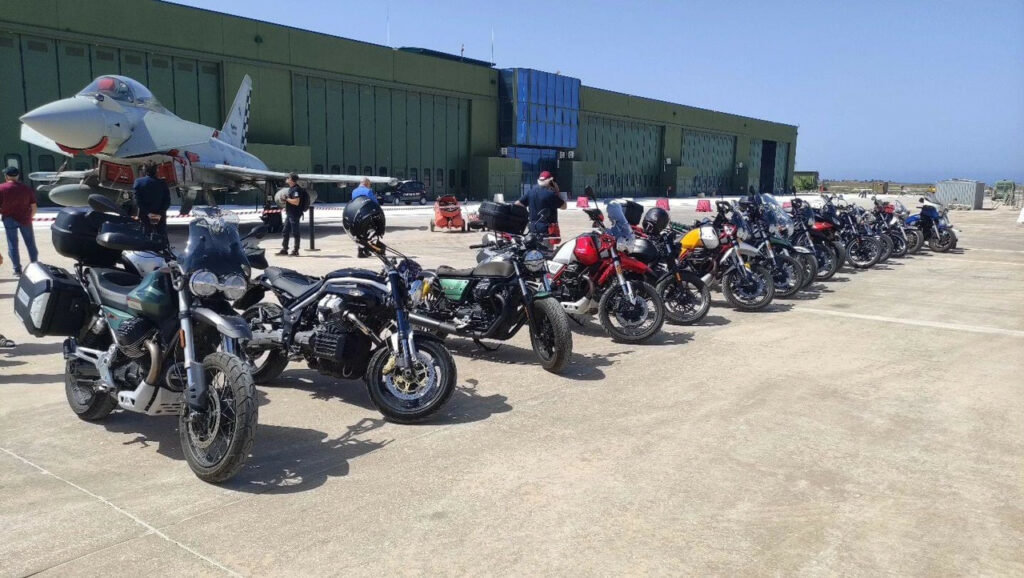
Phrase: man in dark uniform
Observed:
(153, 198)
(296, 203)
(544, 200)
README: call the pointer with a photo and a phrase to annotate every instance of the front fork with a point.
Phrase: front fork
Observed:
(626, 285)
(196, 395)
(403, 338)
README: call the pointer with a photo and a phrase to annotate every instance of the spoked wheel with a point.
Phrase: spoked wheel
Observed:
(410, 394)
(915, 240)
(267, 363)
(810, 267)
(217, 441)
(899, 245)
(828, 261)
(687, 299)
(631, 320)
(552, 342)
(787, 275)
(749, 292)
(863, 252)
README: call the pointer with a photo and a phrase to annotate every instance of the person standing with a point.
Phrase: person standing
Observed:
(295, 205)
(153, 198)
(543, 201)
(18, 206)
(364, 190)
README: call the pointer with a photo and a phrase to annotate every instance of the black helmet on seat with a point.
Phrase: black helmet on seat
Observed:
(363, 219)
(655, 221)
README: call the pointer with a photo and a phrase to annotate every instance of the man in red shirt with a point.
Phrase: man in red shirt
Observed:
(17, 207)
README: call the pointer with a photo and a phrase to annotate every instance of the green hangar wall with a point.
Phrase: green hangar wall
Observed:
(355, 107)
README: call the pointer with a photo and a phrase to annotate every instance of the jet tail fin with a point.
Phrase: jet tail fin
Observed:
(236, 127)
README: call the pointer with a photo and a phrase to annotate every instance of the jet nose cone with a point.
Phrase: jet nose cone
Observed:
(76, 123)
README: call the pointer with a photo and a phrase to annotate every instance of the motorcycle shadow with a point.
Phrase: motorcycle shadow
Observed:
(284, 460)
(774, 307)
(465, 405)
(707, 321)
(581, 366)
(810, 293)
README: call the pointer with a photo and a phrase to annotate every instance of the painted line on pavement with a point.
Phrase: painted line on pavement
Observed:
(149, 528)
(915, 322)
(997, 250)
(991, 262)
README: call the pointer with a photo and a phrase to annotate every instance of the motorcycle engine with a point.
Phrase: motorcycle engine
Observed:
(131, 336)
(339, 350)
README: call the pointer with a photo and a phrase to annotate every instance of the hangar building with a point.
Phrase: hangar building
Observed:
(334, 105)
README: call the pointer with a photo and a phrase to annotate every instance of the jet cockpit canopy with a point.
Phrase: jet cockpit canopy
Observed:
(122, 89)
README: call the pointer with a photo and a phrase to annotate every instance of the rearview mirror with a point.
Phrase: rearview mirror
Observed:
(921, 200)
(257, 232)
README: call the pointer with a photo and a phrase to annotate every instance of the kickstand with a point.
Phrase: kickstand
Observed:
(481, 345)
(576, 319)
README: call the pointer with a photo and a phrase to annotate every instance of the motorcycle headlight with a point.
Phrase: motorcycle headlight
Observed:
(233, 286)
(533, 261)
(203, 283)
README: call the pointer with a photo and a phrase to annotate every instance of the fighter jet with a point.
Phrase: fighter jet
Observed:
(120, 122)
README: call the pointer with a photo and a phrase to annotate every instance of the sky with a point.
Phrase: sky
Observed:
(901, 90)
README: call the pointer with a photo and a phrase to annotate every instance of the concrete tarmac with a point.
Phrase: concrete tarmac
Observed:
(873, 425)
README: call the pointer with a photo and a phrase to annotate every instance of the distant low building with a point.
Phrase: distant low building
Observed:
(805, 180)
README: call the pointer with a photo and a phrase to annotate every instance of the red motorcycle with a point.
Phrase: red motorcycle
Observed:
(588, 274)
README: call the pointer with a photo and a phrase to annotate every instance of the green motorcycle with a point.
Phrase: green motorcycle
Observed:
(159, 342)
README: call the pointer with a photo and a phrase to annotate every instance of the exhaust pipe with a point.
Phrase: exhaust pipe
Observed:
(155, 363)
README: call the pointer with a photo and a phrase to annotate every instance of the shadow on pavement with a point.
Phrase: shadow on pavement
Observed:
(581, 367)
(284, 459)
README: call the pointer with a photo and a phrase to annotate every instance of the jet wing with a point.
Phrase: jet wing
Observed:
(34, 137)
(257, 175)
(157, 132)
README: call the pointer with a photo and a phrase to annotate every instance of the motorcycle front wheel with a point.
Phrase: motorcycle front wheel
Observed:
(552, 341)
(411, 394)
(828, 261)
(942, 243)
(863, 252)
(749, 292)
(887, 247)
(787, 275)
(810, 265)
(216, 442)
(915, 240)
(899, 246)
(686, 300)
(631, 321)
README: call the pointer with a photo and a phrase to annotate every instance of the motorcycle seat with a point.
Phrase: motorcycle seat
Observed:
(289, 281)
(489, 269)
(113, 286)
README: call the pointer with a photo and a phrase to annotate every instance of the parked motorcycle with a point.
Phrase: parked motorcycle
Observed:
(787, 271)
(807, 233)
(862, 250)
(686, 296)
(142, 343)
(495, 299)
(781, 229)
(718, 250)
(933, 222)
(589, 275)
(355, 323)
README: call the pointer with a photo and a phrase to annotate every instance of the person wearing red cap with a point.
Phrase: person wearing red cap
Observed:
(543, 201)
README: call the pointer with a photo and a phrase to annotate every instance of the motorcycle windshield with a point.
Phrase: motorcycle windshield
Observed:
(775, 214)
(213, 243)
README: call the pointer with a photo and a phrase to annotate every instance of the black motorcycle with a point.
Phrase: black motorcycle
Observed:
(353, 323)
(494, 300)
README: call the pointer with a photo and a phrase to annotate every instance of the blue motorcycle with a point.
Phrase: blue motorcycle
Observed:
(933, 223)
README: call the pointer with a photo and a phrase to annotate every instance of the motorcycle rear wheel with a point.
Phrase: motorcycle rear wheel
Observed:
(863, 252)
(217, 442)
(615, 304)
(915, 240)
(553, 345)
(899, 246)
(87, 403)
(687, 301)
(410, 396)
(749, 294)
(887, 247)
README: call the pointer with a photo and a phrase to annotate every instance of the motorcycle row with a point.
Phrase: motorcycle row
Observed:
(191, 333)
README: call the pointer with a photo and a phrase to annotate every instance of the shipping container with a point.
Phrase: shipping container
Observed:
(970, 194)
